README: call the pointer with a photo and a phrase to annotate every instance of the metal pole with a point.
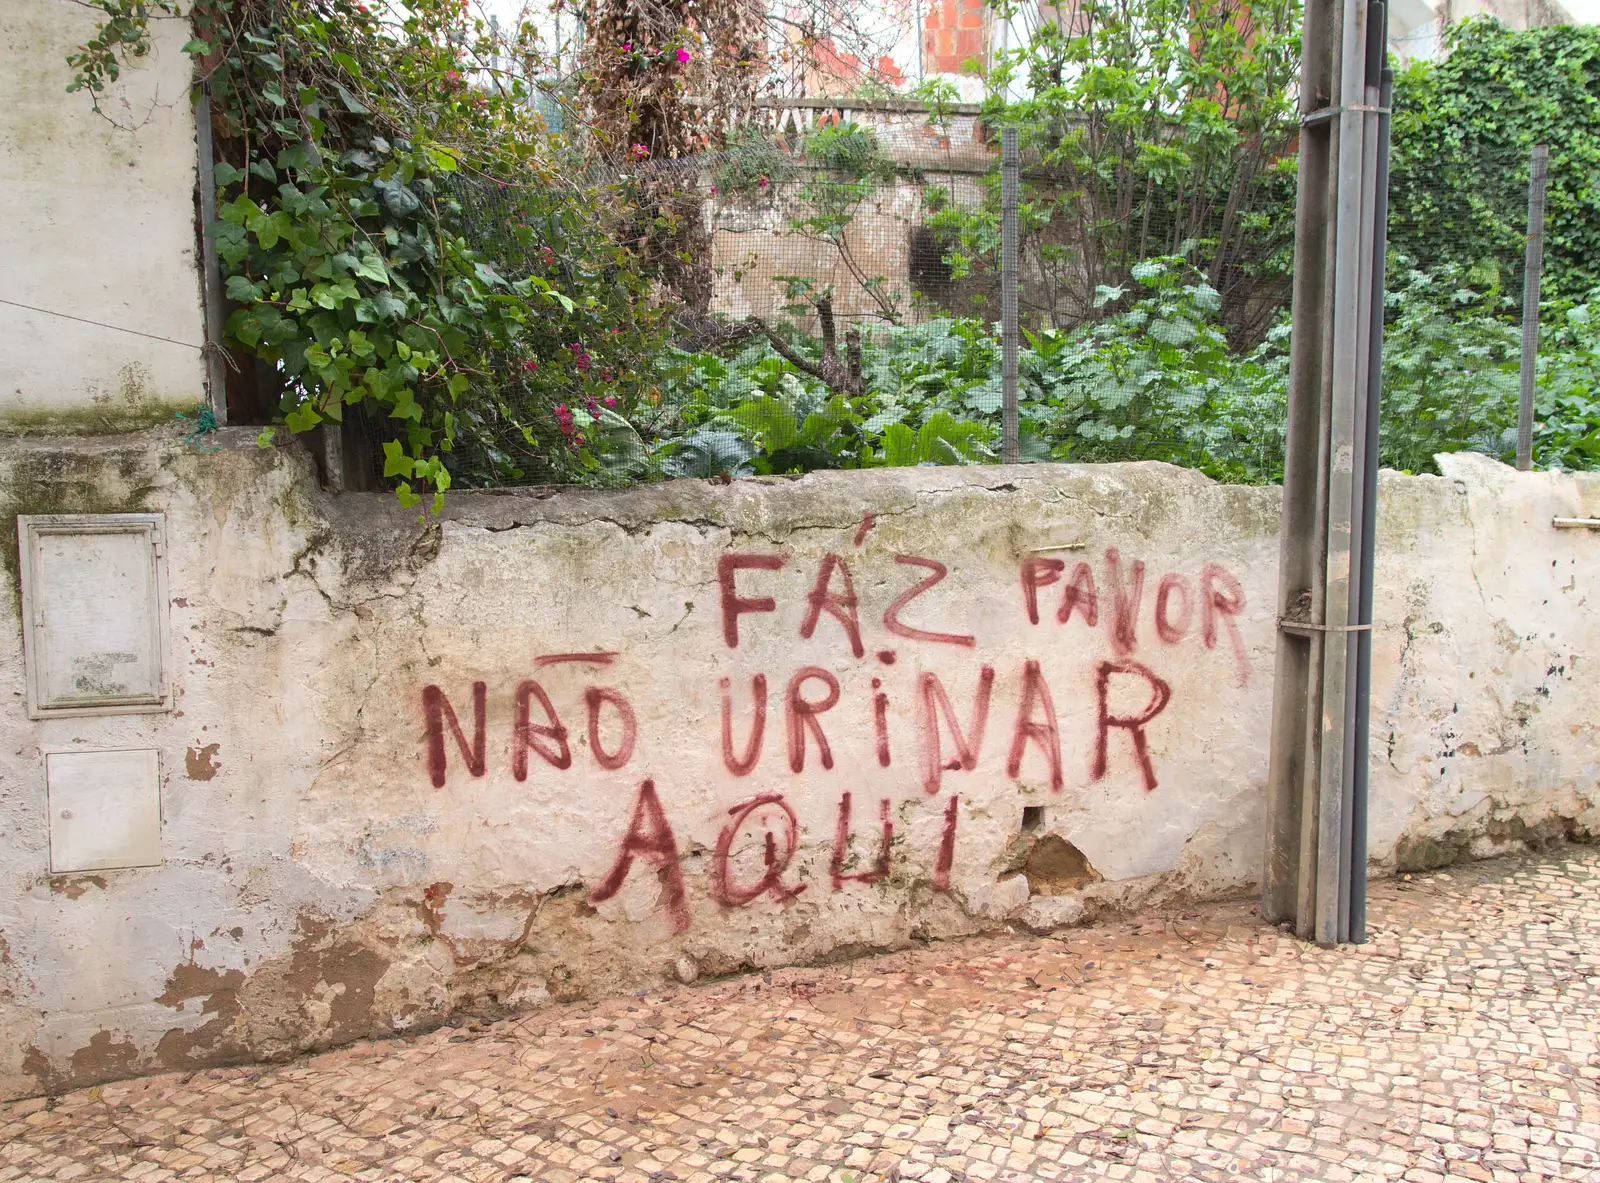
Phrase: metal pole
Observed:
(1310, 868)
(1538, 175)
(1291, 772)
(210, 272)
(1351, 253)
(1360, 755)
(1009, 182)
(1355, 719)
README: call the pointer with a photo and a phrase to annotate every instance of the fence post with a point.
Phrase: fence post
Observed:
(1538, 173)
(1009, 168)
(210, 271)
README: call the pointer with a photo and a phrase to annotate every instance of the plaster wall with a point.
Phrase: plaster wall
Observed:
(348, 851)
(98, 237)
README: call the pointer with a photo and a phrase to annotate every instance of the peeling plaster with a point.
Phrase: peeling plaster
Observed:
(320, 887)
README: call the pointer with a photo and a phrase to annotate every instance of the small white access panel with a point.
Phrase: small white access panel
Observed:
(105, 809)
(94, 613)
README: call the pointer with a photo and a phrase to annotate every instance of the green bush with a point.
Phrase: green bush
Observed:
(1464, 128)
(1153, 379)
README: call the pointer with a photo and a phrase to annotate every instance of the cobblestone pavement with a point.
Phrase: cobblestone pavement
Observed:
(1459, 1044)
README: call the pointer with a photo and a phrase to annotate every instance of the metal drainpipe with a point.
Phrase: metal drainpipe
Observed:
(1010, 280)
(1361, 753)
(1355, 720)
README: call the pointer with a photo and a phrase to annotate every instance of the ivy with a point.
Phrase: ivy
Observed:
(398, 232)
(1464, 128)
(124, 34)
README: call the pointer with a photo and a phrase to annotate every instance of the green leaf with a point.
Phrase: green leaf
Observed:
(900, 446)
(395, 460)
(351, 103)
(196, 47)
(241, 291)
(371, 267)
(303, 418)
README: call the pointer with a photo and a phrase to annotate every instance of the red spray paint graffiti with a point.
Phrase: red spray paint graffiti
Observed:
(1172, 623)
(1037, 573)
(1222, 598)
(650, 837)
(1043, 732)
(968, 744)
(841, 845)
(1124, 601)
(801, 714)
(733, 604)
(527, 735)
(891, 614)
(741, 765)
(595, 697)
(437, 710)
(1134, 724)
(1079, 596)
(841, 605)
(736, 895)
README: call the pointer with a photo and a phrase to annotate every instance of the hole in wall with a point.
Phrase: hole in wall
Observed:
(926, 267)
(1055, 866)
(1032, 818)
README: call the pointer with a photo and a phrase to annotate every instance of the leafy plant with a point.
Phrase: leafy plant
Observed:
(1464, 128)
(1449, 368)
(1567, 400)
(1148, 128)
(356, 165)
(848, 168)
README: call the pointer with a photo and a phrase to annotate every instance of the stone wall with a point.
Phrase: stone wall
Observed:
(555, 745)
(104, 327)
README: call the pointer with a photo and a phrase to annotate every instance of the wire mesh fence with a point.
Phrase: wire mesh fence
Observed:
(834, 281)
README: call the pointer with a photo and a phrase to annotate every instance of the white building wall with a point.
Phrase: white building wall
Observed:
(98, 233)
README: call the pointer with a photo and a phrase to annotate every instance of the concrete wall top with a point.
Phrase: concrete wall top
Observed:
(99, 225)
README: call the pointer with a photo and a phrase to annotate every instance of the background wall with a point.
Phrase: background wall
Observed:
(339, 863)
(99, 224)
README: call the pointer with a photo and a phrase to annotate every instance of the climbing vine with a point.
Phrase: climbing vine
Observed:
(399, 233)
(1464, 128)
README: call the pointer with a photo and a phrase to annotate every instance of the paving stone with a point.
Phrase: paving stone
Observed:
(1462, 1042)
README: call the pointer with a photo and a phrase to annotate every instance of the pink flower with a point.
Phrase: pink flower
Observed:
(713, 188)
(683, 55)
(640, 151)
(627, 47)
(609, 401)
(761, 183)
(547, 256)
(530, 365)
